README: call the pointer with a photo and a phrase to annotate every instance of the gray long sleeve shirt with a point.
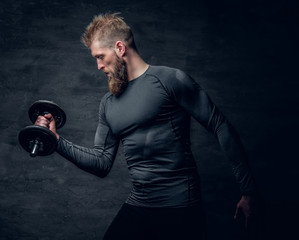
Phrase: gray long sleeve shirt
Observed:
(152, 120)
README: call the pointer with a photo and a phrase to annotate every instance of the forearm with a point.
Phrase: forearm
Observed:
(96, 160)
(233, 148)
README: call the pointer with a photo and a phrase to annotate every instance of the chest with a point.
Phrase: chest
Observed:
(144, 102)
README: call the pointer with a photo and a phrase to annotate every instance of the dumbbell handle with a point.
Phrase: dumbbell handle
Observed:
(34, 150)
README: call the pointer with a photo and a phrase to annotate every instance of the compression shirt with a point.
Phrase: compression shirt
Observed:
(152, 121)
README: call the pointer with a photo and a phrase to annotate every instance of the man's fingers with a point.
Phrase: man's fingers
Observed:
(42, 121)
(237, 213)
(48, 116)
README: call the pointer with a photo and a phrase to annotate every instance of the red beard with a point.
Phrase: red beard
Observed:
(118, 80)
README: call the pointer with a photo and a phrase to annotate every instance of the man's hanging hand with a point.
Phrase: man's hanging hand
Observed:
(249, 212)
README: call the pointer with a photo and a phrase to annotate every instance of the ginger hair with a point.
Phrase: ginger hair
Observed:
(108, 29)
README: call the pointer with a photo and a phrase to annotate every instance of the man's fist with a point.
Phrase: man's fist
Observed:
(47, 121)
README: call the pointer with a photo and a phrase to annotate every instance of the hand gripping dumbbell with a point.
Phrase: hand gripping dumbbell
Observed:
(37, 140)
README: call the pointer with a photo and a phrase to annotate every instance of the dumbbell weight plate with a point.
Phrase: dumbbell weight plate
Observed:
(47, 141)
(43, 107)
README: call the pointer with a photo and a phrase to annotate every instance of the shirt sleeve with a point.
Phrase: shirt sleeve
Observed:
(192, 98)
(99, 159)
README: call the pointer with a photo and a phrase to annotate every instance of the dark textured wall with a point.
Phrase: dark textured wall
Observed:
(243, 53)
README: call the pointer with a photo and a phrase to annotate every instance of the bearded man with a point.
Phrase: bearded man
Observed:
(148, 109)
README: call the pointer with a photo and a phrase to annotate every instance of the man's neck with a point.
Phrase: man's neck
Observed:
(135, 65)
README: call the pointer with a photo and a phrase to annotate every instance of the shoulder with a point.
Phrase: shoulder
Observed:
(105, 98)
(165, 73)
(173, 80)
(104, 101)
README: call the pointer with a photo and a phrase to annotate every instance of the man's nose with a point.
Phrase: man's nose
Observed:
(100, 65)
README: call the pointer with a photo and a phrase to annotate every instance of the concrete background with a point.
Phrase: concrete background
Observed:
(243, 53)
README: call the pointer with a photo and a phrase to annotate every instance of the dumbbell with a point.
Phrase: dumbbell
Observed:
(37, 140)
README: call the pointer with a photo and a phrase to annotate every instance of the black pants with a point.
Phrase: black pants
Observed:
(140, 223)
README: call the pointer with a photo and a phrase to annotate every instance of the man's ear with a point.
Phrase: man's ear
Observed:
(120, 48)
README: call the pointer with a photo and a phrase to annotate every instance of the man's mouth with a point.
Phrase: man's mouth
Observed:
(107, 73)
